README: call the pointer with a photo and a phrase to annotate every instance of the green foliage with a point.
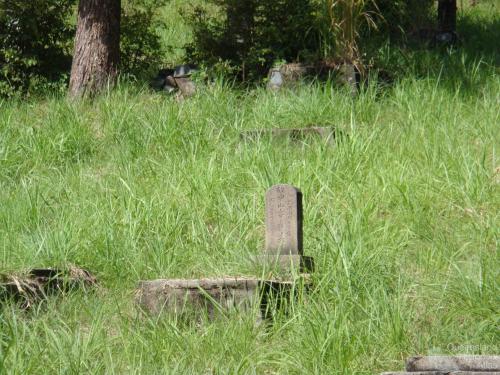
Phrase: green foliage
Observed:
(401, 218)
(140, 42)
(405, 16)
(249, 35)
(356, 29)
(346, 18)
(35, 40)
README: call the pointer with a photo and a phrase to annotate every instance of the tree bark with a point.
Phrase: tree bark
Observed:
(97, 47)
(447, 16)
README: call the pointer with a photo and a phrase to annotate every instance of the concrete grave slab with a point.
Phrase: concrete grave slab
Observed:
(451, 365)
(327, 134)
(454, 363)
(213, 296)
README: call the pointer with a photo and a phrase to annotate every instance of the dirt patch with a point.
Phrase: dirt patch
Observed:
(32, 287)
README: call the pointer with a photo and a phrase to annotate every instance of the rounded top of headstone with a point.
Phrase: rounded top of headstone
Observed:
(275, 77)
(283, 188)
(184, 70)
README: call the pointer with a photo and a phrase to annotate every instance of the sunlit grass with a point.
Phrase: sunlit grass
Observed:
(402, 218)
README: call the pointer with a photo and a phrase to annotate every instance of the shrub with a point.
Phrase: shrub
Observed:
(140, 43)
(405, 16)
(347, 19)
(35, 40)
(250, 35)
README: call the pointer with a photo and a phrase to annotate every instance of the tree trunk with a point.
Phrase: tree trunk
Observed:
(97, 47)
(447, 16)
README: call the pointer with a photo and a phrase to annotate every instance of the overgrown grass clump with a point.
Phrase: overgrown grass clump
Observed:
(401, 216)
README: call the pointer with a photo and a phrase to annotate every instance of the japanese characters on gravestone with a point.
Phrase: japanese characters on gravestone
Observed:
(283, 220)
(284, 236)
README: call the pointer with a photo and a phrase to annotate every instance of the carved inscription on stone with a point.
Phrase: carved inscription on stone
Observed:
(284, 220)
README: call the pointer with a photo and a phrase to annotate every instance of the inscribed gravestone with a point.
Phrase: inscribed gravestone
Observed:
(284, 220)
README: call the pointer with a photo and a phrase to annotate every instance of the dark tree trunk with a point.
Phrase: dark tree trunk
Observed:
(447, 16)
(97, 47)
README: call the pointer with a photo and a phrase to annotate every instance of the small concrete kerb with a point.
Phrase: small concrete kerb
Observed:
(328, 134)
(451, 365)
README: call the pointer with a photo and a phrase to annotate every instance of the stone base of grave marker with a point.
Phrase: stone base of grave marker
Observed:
(452, 365)
(289, 74)
(212, 296)
(298, 263)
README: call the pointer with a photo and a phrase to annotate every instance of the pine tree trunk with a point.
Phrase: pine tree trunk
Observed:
(447, 16)
(97, 47)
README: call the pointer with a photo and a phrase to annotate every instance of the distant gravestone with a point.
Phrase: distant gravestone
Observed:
(186, 86)
(275, 80)
(283, 220)
(348, 76)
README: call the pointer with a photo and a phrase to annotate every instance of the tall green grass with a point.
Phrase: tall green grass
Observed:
(402, 218)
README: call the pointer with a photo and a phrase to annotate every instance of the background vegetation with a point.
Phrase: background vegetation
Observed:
(36, 43)
(402, 216)
(225, 36)
(249, 36)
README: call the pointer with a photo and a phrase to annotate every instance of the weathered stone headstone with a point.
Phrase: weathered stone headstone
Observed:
(283, 249)
(292, 73)
(283, 220)
(284, 234)
(186, 86)
(178, 78)
(348, 76)
(275, 80)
